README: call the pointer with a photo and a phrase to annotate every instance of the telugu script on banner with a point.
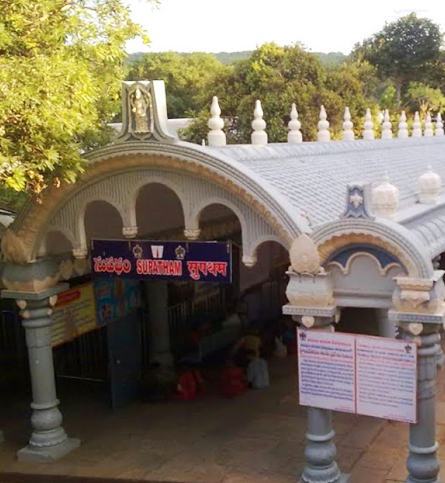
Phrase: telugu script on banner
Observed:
(373, 376)
(157, 260)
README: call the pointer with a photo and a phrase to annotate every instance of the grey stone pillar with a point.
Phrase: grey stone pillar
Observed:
(423, 465)
(2, 438)
(48, 440)
(320, 451)
(387, 328)
(440, 357)
(157, 296)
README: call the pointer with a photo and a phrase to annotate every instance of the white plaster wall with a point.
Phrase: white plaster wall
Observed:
(158, 209)
(364, 285)
(102, 220)
(57, 243)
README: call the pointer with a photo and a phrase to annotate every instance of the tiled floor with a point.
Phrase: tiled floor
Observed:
(258, 437)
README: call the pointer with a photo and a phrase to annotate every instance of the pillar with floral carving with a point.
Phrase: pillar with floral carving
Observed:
(311, 304)
(34, 287)
(419, 311)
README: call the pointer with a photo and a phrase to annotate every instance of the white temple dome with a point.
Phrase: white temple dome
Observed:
(430, 184)
(385, 199)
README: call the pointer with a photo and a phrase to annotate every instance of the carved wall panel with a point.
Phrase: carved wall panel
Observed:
(121, 191)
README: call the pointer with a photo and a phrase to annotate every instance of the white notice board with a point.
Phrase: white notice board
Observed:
(373, 376)
(386, 378)
(326, 370)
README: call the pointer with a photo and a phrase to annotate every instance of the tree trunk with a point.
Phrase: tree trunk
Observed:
(398, 91)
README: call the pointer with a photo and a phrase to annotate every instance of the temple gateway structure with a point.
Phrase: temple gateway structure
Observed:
(362, 223)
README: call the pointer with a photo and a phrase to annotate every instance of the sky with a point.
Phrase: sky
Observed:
(236, 25)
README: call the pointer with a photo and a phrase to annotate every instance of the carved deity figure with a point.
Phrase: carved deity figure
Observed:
(140, 103)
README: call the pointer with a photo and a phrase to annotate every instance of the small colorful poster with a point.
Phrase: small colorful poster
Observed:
(326, 370)
(74, 314)
(116, 298)
(158, 260)
(386, 378)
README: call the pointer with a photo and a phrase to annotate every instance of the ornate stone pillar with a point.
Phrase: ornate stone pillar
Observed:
(48, 440)
(310, 293)
(419, 310)
(320, 451)
(423, 464)
(34, 288)
(157, 296)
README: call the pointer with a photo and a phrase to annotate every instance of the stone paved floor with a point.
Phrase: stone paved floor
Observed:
(255, 438)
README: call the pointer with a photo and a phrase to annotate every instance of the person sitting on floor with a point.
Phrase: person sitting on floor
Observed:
(190, 386)
(233, 380)
(258, 372)
(250, 343)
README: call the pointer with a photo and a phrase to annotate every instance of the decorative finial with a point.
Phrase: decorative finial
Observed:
(439, 126)
(428, 127)
(386, 126)
(323, 135)
(259, 135)
(381, 117)
(403, 126)
(385, 199)
(348, 133)
(417, 127)
(430, 184)
(304, 255)
(368, 132)
(216, 136)
(294, 135)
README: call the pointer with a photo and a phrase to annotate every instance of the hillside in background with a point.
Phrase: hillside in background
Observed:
(229, 58)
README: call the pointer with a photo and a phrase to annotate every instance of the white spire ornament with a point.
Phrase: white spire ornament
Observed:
(294, 135)
(259, 135)
(386, 126)
(430, 184)
(428, 127)
(439, 126)
(403, 126)
(323, 135)
(385, 199)
(417, 127)
(368, 132)
(216, 136)
(348, 133)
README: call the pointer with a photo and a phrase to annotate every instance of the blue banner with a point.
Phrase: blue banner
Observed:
(157, 260)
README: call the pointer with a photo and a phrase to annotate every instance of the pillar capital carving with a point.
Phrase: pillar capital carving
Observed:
(310, 291)
(130, 231)
(419, 300)
(192, 233)
(31, 277)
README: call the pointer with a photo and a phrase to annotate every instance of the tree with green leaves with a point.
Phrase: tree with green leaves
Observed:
(186, 77)
(423, 98)
(404, 50)
(280, 76)
(61, 65)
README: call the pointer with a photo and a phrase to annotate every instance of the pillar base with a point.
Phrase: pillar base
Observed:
(342, 479)
(49, 453)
